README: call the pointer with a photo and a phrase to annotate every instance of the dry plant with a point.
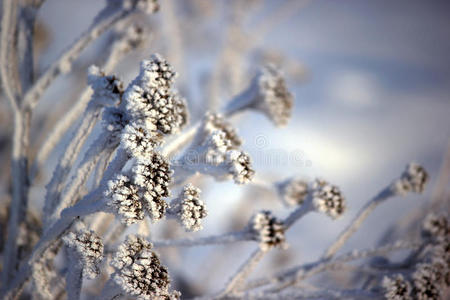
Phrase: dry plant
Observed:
(136, 158)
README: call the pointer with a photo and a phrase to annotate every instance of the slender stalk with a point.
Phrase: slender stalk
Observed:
(244, 271)
(358, 220)
(226, 238)
(74, 276)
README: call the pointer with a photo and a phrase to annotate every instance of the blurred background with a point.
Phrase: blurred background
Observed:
(371, 81)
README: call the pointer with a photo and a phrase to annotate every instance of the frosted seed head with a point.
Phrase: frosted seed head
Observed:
(214, 121)
(269, 231)
(138, 270)
(397, 288)
(437, 225)
(89, 248)
(138, 140)
(426, 282)
(189, 208)
(293, 191)
(145, 6)
(107, 88)
(274, 98)
(124, 199)
(328, 199)
(413, 179)
(156, 73)
(217, 146)
(239, 166)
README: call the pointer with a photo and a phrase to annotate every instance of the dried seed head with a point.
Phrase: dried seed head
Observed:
(274, 99)
(413, 179)
(293, 191)
(397, 288)
(138, 140)
(426, 282)
(124, 199)
(159, 108)
(190, 208)
(145, 6)
(107, 88)
(138, 270)
(240, 166)
(89, 248)
(437, 225)
(328, 199)
(217, 146)
(156, 73)
(214, 121)
(268, 230)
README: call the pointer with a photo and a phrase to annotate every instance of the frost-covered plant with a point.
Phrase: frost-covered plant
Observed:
(134, 156)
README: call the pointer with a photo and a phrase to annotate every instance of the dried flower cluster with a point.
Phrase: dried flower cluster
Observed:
(138, 270)
(269, 230)
(328, 199)
(89, 248)
(293, 191)
(189, 208)
(413, 179)
(397, 288)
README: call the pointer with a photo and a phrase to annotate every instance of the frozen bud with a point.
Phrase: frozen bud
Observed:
(138, 140)
(240, 166)
(160, 109)
(124, 199)
(107, 88)
(293, 191)
(268, 94)
(189, 208)
(89, 248)
(413, 179)
(426, 282)
(217, 146)
(397, 288)
(114, 121)
(269, 230)
(156, 73)
(437, 225)
(214, 121)
(138, 270)
(328, 199)
(275, 99)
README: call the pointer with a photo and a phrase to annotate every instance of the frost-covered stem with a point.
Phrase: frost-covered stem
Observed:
(74, 279)
(298, 213)
(103, 21)
(321, 294)
(243, 272)
(97, 149)
(358, 220)
(240, 101)
(115, 233)
(18, 208)
(226, 238)
(180, 141)
(8, 25)
(54, 188)
(110, 291)
(299, 273)
(74, 113)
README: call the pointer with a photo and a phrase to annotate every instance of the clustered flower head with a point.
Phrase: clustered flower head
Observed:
(293, 191)
(327, 198)
(146, 6)
(153, 175)
(397, 288)
(426, 282)
(138, 270)
(269, 230)
(124, 199)
(189, 208)
(215, 121)
(151, 99)
(240, 167)
(138, 140)
(437, 226)
(89, 248)
(107, 88)
(275, 99)
(413, 179)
